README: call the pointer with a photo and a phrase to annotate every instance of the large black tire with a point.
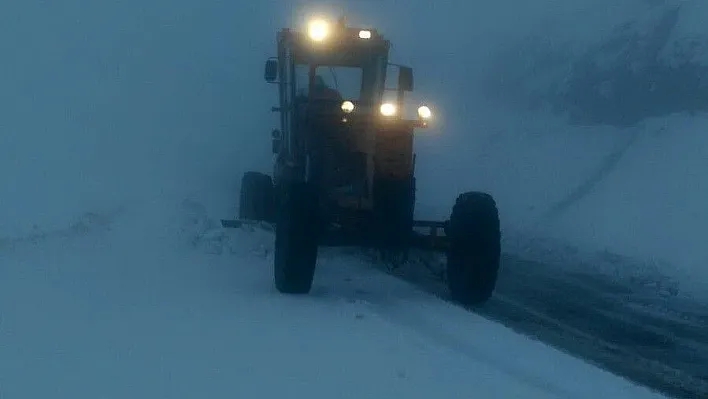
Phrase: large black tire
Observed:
(257, 197)
(475, 248)
(296, 239)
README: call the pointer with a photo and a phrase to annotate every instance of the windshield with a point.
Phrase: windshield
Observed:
(346, 82)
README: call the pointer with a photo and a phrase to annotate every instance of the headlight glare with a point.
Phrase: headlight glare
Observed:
(318, 29)
(388, 109)
(424, 112)
(347, 106)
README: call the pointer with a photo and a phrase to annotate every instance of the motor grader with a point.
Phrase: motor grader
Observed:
(344, 165)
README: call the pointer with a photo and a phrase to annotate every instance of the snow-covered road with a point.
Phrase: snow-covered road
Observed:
(632, 326)
(145, 303)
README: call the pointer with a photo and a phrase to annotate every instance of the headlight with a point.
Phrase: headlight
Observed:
(364, 34)
(424, 112)
(348, 106)
(388, 109)
(318, 30)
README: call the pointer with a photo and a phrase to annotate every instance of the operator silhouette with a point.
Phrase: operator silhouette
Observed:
(320, 91)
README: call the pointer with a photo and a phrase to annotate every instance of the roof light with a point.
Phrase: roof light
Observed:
(364, 34)
(318, 29)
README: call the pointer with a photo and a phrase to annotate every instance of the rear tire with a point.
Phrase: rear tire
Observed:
(257, 197)
(474, 254)
(296, 239)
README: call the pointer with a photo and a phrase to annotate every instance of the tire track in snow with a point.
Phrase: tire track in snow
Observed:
(401, 316)
(574, 318)
(537, 304)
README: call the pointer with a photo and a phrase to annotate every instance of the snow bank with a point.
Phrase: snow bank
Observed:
(652, 206)
(128, 312)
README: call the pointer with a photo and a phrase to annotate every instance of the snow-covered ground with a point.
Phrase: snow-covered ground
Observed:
(124, 109)
(151, 301)
(104, 103)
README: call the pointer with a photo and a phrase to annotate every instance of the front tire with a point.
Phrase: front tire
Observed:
(296, 239)
(473, 257)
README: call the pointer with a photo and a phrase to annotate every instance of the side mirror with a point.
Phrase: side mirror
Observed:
(271, 70)
(405, 79)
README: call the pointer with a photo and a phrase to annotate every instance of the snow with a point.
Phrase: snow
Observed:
(113, 113)
(662, 172)
(126, 307)
(690, 31)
